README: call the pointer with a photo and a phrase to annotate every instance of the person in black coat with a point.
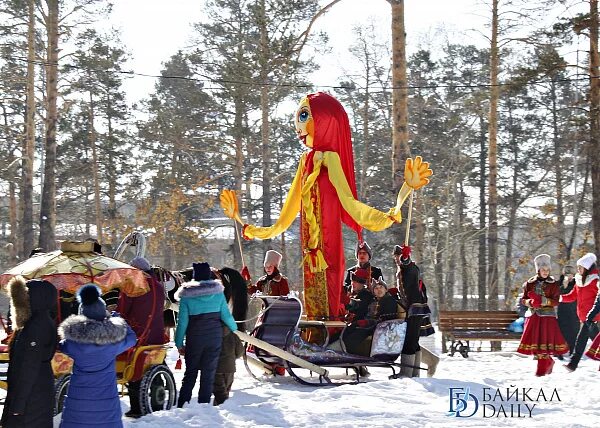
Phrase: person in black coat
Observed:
(568, 322)
(410, 285)
(383, 307)
(231, 346)
(363, 254)
(30, 394)
(231, 349)
(360, 297)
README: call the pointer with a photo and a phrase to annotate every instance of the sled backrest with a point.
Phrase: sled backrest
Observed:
(277, 324)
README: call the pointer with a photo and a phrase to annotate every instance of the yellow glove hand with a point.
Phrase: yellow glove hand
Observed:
(229, 204)
(416, 172)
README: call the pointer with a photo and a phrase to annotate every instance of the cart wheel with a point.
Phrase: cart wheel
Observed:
(157, 390)
(61, 386)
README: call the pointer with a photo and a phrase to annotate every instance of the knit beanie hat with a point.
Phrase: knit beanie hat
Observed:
(202, 271)
(141, 263)
(272, 258)
(364, 246)
(90, 303)
(587, 260)
(542, 261)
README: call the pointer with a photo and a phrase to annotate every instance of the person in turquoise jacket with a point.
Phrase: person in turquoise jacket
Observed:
(199, 333)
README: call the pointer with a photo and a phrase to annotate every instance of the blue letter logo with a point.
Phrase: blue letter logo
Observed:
(460, 399)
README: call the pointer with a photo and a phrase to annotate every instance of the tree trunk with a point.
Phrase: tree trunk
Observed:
(493, 164)
(463, 249)
(266, 158)
(558, 167)
(238, 169)
(88, 214)
(48, 205)
(514, 204)
(13, 206)
(452, 205)
(13, 239)
(111, 174)
(97, 202)
(400, 146)
(439, 263)
(265, 126)
(29, 147)
(482, 253)
(450, 273)
(595, 120)
(365, 117)
(168, 251)
(578, 203)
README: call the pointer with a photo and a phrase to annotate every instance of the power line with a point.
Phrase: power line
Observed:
(297, 85)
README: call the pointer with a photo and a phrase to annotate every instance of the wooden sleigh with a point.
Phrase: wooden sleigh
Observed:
(278, 340)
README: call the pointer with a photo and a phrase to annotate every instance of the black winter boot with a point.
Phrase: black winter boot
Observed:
(134, 400)
(572, 366)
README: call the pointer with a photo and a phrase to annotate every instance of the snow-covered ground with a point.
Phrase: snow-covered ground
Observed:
(496, 383)
(496, 380)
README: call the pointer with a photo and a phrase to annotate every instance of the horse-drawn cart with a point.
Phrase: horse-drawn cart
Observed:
(70, 268)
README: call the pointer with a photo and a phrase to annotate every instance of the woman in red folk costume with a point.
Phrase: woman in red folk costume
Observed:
(273, 283)
(542, 337)
(324, 192)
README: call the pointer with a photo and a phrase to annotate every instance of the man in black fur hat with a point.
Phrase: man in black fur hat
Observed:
(363, 256)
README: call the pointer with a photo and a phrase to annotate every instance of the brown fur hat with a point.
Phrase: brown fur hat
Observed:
(20, 308)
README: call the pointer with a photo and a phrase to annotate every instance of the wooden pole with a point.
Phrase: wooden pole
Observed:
(237, 233)
(410, 207)
(281, 353)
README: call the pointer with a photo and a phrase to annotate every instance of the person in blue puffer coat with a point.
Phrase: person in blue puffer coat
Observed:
(93, 339)
(202, 307)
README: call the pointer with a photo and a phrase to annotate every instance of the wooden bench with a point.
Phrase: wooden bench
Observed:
(461, 327)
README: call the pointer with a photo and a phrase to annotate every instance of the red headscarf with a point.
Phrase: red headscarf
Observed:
(332, 134)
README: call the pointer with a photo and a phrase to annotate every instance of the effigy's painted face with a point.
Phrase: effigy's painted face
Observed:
(305, 124)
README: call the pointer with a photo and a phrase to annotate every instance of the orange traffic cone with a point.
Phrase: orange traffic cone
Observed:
(178, 364)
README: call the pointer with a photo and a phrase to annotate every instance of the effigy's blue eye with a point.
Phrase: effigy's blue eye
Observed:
(303, 116)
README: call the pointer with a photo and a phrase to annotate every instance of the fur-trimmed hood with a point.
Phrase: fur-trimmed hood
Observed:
(28, 298)
(82, 329)
(20, 310)
(199, 288)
